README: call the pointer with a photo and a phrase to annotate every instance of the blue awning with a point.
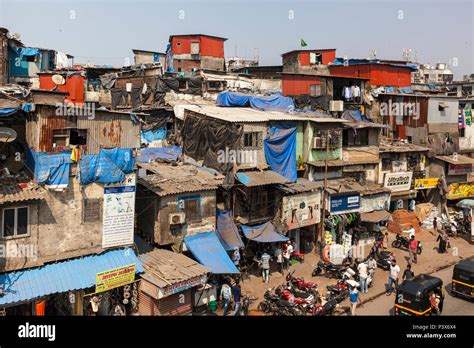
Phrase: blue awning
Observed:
(207, 249)
(4, 112)
(25, 285)
(227, 232)
(264, 233)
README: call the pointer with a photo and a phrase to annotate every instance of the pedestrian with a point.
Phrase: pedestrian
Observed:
(412, 247)
(236, 257)
(354, 298)
(236, 294)
(372, 266)
(279, 257)
(435, 225)
(408, 273)
(411, 231)
(393, 277)
(363, 274)
(226, 295)
(287, 254)
(442, 239)
(265, 265)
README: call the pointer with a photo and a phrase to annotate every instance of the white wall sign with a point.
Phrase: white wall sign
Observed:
(398, 181)
(119, 212)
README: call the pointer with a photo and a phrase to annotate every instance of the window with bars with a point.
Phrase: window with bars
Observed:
(252, 139)
(15, 222)
(91, 210)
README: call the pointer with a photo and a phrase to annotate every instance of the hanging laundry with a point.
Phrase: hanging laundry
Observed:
(356, 91)
(76, 154)
(347, 93)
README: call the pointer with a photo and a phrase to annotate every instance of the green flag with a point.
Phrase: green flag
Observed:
(303, 44)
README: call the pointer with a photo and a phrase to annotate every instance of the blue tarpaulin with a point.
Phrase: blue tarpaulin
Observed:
(208, 250)
(7, 111)
(28, 51)
(280, 149)
(109, 166)
(52, 170)
(264, 233)
(227, 231)
(406, 90)
(148, 136)
(63, 276)
(274, 102)
(147, 155)
(353, 115)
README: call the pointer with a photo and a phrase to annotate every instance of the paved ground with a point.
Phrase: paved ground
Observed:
(383, 305)
(429, 261)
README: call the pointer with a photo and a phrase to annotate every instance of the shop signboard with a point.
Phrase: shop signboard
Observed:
(345, 202)
(114, 278)
(119, 212)
(426, 183)
(398, 182)
(459, 169)
(370, 203)
(460, 190)
(301, 210)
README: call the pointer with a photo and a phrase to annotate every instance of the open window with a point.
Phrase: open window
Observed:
(359, 137)
(15, 222)
(315, 58)
(252, 140)
(194, 47)
(64, 138)
(191, 206)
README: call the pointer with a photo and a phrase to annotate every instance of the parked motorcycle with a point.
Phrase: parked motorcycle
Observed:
(327, 308)
(402, 242)
(383, 258)
(353, 273)
(328, 270)
(274, 305)
(301, 284)
(339, 291)
(246, 300)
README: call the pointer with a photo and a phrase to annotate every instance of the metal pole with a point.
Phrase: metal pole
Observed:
(323, 211)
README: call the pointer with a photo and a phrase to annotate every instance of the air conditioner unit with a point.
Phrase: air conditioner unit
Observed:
(318, 143)
(336, 105)
(177, 218)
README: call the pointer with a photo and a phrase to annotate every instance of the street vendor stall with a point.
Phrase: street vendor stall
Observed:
(468, 204)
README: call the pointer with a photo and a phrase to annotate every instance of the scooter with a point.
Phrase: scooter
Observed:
(383, 258)
(330, 270)
(402, 242)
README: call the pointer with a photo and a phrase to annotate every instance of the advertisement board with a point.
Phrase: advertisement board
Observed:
(397, 182)
(346, 202)
(114, 278)
(426, 183)
(458, 169)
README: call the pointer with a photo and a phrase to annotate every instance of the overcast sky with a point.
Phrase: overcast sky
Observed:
(104, 32)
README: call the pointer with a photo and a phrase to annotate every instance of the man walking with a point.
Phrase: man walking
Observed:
(363, 274)
(226, 295)
(408, 273)
(236, 294)
(372, 266)
(279, 258)
(393, 277)
(287, 254)
(412, 247)
(411, 231)
(354, 298)
(265, 264)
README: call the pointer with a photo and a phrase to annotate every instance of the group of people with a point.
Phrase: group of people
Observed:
(282, 255)
(231, 292)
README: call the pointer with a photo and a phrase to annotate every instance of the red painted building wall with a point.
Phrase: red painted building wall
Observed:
(74, 86)
(208, 46)
(379, 74)
(298, 84)
(327, 57)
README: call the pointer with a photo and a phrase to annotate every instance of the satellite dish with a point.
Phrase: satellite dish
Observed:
(7, 135)
(58, 79)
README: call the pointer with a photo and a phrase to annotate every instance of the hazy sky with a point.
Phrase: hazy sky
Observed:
(104, 32)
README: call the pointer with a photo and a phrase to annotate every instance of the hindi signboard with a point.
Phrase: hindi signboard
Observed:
(115, 278)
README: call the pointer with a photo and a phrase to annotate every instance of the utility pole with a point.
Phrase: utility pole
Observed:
(323, 210)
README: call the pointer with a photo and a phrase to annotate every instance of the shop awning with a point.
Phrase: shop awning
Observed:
(29, 284)
(375, 216)
(208, 250)
(466, 204)
(264, 233)
(227, 232)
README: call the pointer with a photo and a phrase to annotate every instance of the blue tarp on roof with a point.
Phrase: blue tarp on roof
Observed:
(63, 276)
(148, 136)
(342, 61)
(7, 111)
(28, 51)
(208, 250)
(406, 90)
(109, 166)
(171, 153)
(244, 179)
(264, 233)
(280, 149)
(353, 115)
(227, 231)
(52, 170)
(274, 102)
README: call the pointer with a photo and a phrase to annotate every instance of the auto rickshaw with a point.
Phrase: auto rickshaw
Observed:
(463, 279)
(421, 295)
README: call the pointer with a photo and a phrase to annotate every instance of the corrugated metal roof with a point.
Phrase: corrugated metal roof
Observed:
(13, 193)
(164, 268)
(259, 178)
(459, 160)
(249, 115)
(400, 147)
(301, 185)
(63, 276)
(169, 180)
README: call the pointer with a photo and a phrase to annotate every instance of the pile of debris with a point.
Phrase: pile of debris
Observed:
(426, 214)
(402, 219)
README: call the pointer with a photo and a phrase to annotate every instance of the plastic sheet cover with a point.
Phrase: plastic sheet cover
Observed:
(274, 102)
(227, 231)
(280, 149)
(147, 136)
(264, 233)
(52, 170)
(170, 153)
(108, 166)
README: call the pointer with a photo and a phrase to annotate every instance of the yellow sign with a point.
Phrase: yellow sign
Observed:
(426, 183)
(464, 190)
(115, 278)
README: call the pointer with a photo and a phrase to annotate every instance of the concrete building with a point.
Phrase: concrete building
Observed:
(440, 73)
(313, 61)
(148, 57)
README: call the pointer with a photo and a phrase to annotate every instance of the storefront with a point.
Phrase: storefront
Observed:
(400, 184)
(169, 282)
(93, 285)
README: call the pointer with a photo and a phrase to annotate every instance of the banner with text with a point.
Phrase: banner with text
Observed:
(115, 278)
(397, 182)
(426, 183)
